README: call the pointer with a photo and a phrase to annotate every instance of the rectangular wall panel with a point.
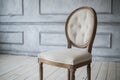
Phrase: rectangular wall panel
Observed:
(66, 6)
(53, 39)
(11, 7)
(11, 38)
(102, 40)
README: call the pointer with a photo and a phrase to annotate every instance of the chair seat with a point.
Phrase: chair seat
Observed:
(66, 56)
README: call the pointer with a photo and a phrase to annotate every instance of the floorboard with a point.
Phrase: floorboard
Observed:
(111, 71)
(118, 70)
(103, 71)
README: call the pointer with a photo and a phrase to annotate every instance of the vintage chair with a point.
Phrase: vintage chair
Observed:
(80, 31)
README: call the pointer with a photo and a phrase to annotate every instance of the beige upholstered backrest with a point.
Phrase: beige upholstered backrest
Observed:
(80, 26)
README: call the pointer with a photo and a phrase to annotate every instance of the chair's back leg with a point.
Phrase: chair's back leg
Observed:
(41, 71)
(88, 72)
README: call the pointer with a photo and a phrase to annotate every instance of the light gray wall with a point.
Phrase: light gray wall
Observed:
(32, 26)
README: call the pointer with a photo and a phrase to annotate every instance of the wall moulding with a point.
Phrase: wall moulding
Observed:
(11, 7)
(102, 40)
(11, 37)
(58, 7)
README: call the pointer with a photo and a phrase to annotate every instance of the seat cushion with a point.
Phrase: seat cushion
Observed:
(66, 56)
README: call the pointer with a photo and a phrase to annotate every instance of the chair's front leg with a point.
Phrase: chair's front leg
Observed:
(68, 74)
(88, 72)
(41, 71)
(72, 74)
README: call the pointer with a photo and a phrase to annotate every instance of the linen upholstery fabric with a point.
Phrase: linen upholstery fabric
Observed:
(80, 26)
(66, 56)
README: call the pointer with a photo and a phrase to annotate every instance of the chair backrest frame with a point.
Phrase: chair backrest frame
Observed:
(89, 44)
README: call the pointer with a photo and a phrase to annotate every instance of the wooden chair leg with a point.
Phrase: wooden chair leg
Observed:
(68, 74)
(41, 71)
(89, 72)
(72, 74)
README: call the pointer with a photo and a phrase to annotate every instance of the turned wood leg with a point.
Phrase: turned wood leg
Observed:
(41, 71)
(72, 74)
(68, 74)
(89, 72)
